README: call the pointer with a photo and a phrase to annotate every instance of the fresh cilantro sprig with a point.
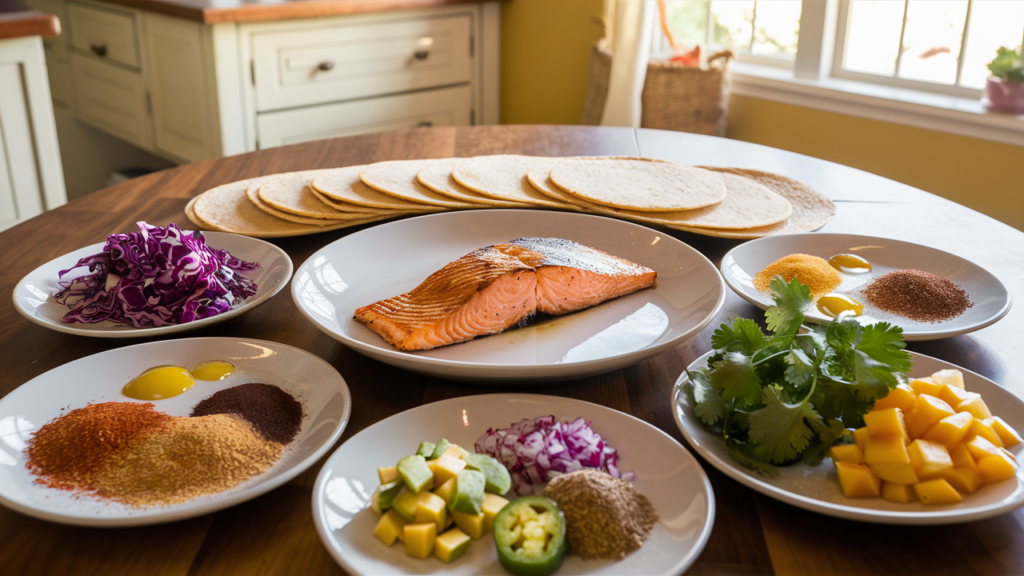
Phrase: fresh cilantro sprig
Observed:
(791, 394)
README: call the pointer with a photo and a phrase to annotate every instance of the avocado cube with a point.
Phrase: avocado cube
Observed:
(439, 449)
(415, 473)
(469, 492)
(425, 449)
(384, 495)
(405, 505)
(497, 477)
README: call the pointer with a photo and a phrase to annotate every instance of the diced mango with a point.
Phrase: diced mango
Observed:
(976, 406)
(901, 397)
(389, 527)
(888, 422)
(405, 504)
(936, 492)
(858, 481)
(996, 468)
(927, 411)
(928, 458)
(965, 480)
(949, 377)
(431, 508)
(886, 450)
(491, 506)
(980, 448)
(419, 539)
(847, 453)
(387, 474)
(471, 524)
(455, 451)
(1009, 455)
(860, 436)
(451, 545)
(950, 430)
(897, 473)
(445, 468)
(1006, 433)
(962, 458)
(926, 385)
(902, 493)
(445, 490)
(954, 396)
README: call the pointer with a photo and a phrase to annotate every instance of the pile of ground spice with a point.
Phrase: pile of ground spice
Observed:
(188, 458)
(275, 414)
(813, 271)
(605, 517)
(917, 295)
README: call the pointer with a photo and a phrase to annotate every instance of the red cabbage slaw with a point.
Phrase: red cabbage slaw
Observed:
(535, 451)
(155, 277)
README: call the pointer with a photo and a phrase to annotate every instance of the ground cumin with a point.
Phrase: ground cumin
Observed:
(917, 295)
(813, 271)
(605, 516)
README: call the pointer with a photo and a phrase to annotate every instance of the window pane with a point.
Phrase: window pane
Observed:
(776, 25)
(994, 23)
(873, 36)
(688, 21)
(931, 40)
(732, 23)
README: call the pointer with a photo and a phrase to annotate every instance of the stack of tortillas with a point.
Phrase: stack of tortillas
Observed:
(725, 202)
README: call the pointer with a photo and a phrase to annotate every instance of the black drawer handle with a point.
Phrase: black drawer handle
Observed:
(98, 49)
(325, 65)
(425, 124)
(421, 54)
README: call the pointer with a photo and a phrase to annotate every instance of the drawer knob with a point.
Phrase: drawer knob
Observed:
(99, 49)
(425, 124)
(421, 54)
(325, 65)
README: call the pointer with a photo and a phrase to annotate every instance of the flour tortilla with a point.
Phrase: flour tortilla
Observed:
(346, 207)
(639, 184)
(397, 178)
(344, 185)
(252, 192)
(438, 177)
(290, 193)
(503, 177)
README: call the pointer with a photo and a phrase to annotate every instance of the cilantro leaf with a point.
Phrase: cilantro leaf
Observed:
(706, 400)
(828, 431)
(779, 430)
(744, 336)
(800, 370)
(791, 299)
(837, 400)
(735, 378)
(884, 343)
(741, 452)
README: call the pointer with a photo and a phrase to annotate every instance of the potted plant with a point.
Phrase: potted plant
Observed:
(1004, 89)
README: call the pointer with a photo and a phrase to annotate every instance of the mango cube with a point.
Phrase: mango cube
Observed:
(902, 493)
(901, 397)
(888, 422)
(954, 396)
(491, 506)
(962, 458)
(936, 492)
(445, 490)
(857, 480)
(1009, 455)
(455, 451)
(847, 453)
(980, 428)
(980, 448)
(896, 473)
(976, 406)
(1006, 433)
(950, 430)
(405, 504)
(926, 385)
(928, 458)
(927, 411)
(886, 450)
(419, 539)
(451, 545)
(860, 436)
(389, 527)
(965, 480)
(996, 468)
(446, 467)
(387, 474)
(949, 377)
(431, 508)
(471, 524)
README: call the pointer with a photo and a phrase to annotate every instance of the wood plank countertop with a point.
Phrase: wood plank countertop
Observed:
(220, 11)
(18, 20)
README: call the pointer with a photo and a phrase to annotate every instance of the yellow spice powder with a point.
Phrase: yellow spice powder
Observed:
(813, 271)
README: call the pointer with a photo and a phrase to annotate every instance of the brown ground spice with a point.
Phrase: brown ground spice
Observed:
(813, 271)
(190, 457)
(274, 413)
(917, 295)
(605, 516)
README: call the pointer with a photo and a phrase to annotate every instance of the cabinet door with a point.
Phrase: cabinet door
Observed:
(112, 99)
(20, 193)
(443, 107)
(104, 33)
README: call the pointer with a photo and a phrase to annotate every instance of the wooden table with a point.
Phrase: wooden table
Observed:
(274, 534)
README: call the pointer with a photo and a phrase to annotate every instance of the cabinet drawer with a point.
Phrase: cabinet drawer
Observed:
(442, 107)
(104, 33)
(112, 99)
(328, 63)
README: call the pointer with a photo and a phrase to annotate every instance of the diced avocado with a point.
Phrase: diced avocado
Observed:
(415, 473)
(439, 448)
(425, 449)
(469, 492)
(405, 505)
(384, 495)
(498, 480)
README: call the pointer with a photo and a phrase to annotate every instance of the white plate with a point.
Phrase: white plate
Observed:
(666, 473)
(390, 259)
(33, 294)
(100, 377)
(991, 299)
(816, 488)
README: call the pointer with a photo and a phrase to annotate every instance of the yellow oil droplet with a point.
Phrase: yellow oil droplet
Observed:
(850, 263)
(213, 370)
(833, 304)
(159, 383)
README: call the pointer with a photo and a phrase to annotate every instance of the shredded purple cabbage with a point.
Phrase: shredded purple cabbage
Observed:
(155, 277)
(535, 451)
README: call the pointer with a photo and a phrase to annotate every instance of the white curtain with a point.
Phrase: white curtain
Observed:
(632, 25)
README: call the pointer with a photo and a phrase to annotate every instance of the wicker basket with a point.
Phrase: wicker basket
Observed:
(675, 97)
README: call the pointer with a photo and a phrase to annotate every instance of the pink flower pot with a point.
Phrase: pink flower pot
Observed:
(1003, 97)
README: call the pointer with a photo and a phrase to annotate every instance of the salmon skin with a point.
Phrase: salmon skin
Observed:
(495, 288)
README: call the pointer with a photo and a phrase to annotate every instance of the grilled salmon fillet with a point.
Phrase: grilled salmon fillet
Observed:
(495, 288)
